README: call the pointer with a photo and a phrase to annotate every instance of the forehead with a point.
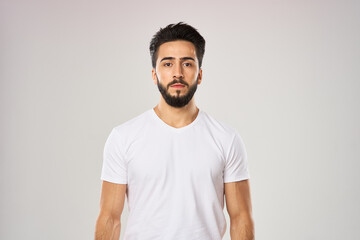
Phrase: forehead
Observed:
(177, 49)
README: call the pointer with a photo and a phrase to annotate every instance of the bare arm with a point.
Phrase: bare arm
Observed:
(108, 224)
(238, 204)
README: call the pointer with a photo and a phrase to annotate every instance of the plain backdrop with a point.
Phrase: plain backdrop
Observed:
(285, 74)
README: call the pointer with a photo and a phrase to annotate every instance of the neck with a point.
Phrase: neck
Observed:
(176, 117)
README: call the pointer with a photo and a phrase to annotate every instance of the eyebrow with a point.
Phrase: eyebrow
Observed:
(172, 58)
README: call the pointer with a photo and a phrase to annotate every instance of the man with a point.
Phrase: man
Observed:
(174, 162)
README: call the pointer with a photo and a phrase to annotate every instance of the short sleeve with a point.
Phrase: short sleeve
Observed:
(236, 167)
(114, 167)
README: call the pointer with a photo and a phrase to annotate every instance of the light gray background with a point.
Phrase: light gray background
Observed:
(285, 74)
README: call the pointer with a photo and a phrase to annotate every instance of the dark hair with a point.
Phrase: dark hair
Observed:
(173, 32)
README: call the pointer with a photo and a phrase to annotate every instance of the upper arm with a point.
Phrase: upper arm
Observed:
(112, 199)
(238, 199)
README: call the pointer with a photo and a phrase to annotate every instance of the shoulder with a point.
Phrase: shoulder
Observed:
(219, 128)
(133, 125)
(223, 134)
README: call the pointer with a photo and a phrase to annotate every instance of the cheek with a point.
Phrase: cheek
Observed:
(162, 77)
(163, 74)
(191, 73)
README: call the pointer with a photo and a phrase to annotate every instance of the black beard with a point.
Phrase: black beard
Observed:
(177, 101)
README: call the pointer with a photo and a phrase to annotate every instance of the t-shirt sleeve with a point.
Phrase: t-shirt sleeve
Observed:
(114, 168)
(236, 167)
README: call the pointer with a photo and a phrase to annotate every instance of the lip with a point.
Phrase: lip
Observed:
(177, 86)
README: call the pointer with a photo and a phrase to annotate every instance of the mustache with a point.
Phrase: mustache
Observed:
(177, 81)
(174, 81)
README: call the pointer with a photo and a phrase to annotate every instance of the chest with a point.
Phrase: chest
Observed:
(164, 157)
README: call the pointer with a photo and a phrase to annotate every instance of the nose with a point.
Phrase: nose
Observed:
(178, 71)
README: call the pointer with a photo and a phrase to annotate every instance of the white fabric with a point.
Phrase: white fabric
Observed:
(175, 176)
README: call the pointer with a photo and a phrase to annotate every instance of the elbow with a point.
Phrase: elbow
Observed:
(242, 227)
(241, 220)
(108, 220)
(106, 226)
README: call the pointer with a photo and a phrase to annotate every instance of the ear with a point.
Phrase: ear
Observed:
(153, 74)
(199, 76)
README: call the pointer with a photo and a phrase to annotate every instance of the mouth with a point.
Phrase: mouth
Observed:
(177, 85)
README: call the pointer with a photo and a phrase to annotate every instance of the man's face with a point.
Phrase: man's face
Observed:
(177, 64)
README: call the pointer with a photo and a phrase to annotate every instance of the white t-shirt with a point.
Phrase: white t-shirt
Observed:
(175, 176)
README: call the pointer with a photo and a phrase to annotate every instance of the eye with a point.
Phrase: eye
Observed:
(187, 64)
(167, 64)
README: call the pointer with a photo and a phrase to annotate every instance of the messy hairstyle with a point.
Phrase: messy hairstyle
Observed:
(173, 32)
